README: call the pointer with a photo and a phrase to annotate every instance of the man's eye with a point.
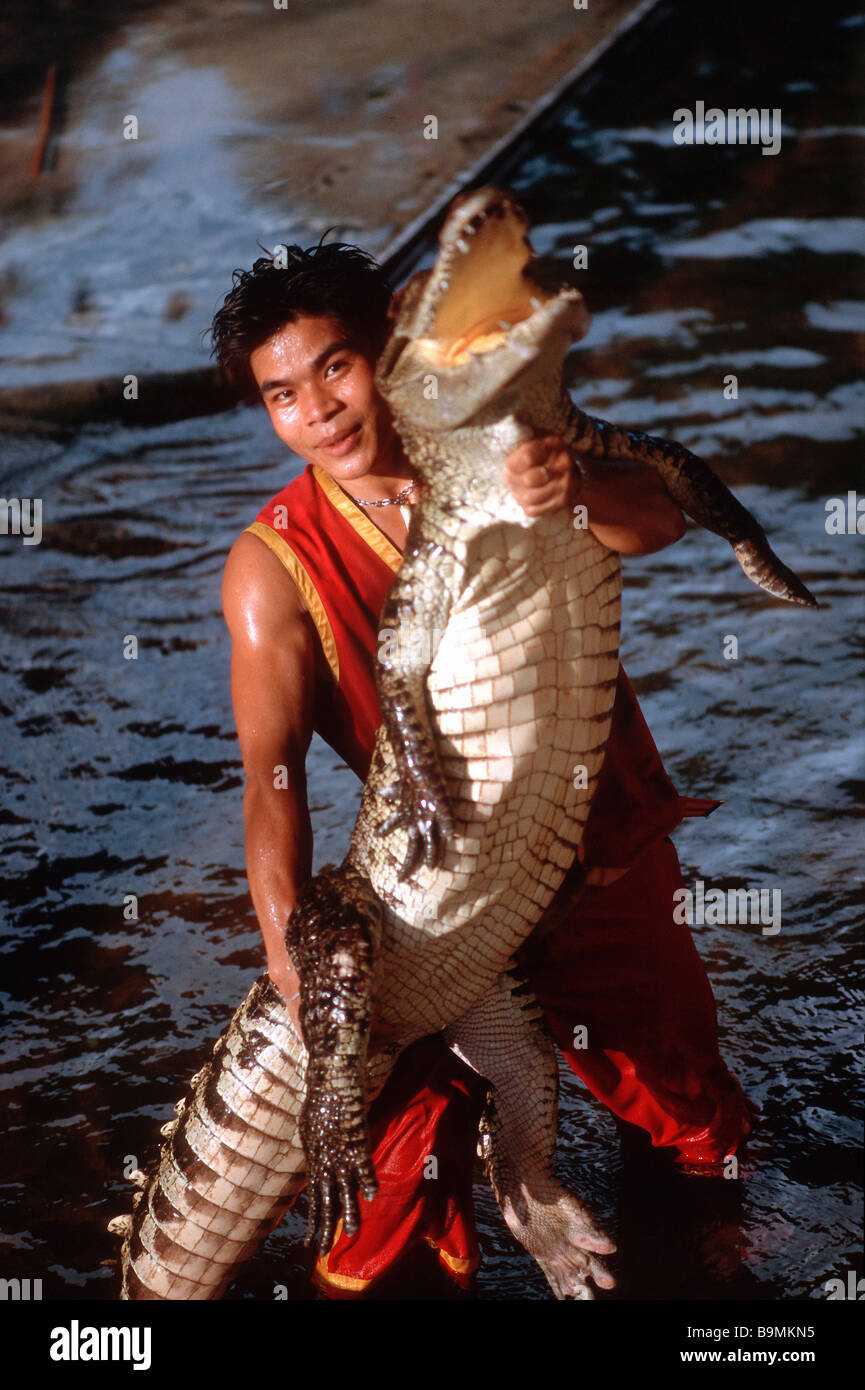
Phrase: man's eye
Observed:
(335, 366)
(283, 395)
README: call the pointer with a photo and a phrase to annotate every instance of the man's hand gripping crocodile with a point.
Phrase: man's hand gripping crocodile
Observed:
(499, 683)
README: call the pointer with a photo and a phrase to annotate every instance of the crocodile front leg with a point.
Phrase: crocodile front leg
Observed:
(413, 618)
(699, 491)
(504, 1039)
(332, 937)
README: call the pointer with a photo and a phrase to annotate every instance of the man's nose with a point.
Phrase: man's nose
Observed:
(319, 402)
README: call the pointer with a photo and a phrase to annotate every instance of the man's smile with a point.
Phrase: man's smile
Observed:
(341, 441)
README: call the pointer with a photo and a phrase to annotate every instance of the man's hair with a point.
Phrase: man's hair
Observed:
(336, 279)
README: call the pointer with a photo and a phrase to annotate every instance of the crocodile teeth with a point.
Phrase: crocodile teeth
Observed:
(180, 1106)
(168, 1129)
(137, 1177)
(138, 1196)
(194, 1080)
(120, 1225)
(462, 244)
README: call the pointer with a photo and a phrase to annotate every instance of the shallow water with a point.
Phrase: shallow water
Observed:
(124, 776)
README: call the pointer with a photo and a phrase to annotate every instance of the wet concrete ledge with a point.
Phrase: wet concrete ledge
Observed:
(558, 51)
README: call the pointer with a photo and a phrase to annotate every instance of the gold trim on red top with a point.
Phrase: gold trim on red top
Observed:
(381, 544)
(293, 563)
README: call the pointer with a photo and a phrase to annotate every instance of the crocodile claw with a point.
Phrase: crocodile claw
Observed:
(339, 1164)
(427, 820)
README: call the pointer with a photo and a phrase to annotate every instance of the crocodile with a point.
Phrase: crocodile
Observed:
(471, 814)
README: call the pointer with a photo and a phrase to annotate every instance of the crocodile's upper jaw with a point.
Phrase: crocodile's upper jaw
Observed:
(476, 321)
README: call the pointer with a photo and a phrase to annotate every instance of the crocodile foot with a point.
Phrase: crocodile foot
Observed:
(565, 1240)
(425, 813)
(336, 1141)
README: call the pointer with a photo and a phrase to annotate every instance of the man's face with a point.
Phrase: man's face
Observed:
(319, 390)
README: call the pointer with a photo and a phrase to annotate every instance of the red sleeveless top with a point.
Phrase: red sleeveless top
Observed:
(343, 566)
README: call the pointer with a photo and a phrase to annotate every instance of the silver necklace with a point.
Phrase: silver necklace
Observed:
(397, 501)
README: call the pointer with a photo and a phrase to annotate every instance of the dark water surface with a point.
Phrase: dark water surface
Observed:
(124, 778)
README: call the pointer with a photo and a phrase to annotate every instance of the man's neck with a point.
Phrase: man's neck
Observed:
(388, 476)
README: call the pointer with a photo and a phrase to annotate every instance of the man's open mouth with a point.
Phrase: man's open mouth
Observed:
(341, 443)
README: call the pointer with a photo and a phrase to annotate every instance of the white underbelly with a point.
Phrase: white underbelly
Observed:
(522, 686)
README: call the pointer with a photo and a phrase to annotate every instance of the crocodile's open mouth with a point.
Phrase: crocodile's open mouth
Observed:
(478, 290)
(469, 330)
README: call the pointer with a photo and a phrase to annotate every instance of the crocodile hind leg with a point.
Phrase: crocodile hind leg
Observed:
(231, 1164)
(504, 1039)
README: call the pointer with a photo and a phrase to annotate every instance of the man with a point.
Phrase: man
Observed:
(621, 984)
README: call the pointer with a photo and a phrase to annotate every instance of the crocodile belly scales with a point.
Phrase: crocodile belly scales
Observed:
(521, 690)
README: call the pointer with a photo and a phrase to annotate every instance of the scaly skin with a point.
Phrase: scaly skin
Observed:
(470, 819)
(505, 1039)
(333, 938)
(701, 494)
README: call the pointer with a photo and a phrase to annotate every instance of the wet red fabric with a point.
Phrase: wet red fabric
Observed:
(628, 1002)
(423, 1131)
(623, 988)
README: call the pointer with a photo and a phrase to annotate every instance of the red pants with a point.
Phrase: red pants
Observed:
(622, 978)
(631, 976)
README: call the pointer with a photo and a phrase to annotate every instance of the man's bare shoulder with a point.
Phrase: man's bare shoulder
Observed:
(258, 593)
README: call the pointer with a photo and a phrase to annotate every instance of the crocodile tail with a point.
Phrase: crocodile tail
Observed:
(762, 566)
(231, 1164)
(698, 490)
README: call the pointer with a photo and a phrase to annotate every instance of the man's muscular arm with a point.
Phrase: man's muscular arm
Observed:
(627, 505)
(272, 684)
